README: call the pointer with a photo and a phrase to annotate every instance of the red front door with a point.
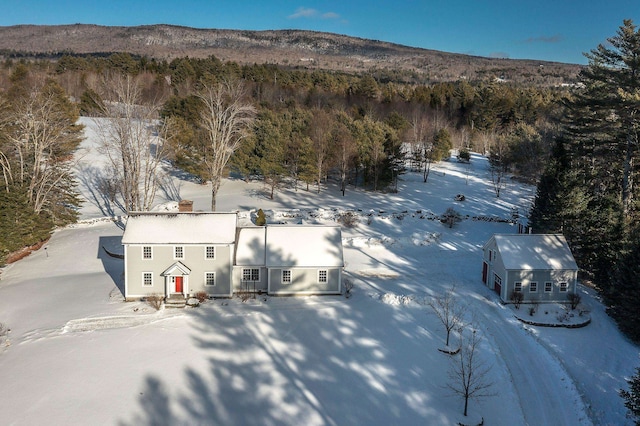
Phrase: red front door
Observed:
(178, 284)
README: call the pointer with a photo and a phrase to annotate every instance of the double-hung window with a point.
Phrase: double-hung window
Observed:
(322, 276)
(209, 279)
(563, 287)
(146, 252)
(517, 287)
(147, 279)
(252, 274)
(533, 287)
(548, 287)
(286, 276)
(210, 252)
(178, 252)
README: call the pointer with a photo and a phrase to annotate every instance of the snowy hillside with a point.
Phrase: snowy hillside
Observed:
(77, 354)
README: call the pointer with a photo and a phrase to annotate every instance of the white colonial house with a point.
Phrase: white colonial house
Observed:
(540, 266)
(178, 254)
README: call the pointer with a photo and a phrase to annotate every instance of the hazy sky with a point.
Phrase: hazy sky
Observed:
(558, 30)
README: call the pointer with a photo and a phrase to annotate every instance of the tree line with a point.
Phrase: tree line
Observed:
(306, 125)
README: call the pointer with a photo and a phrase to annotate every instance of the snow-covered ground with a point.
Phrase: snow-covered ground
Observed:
(77, 354)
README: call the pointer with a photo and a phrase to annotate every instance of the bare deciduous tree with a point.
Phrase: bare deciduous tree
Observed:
(131, 140)
(345, 149)
(469, 374)
(448, 311)
(320, 135)
(225, 119)
(498, 165)
(39, 137)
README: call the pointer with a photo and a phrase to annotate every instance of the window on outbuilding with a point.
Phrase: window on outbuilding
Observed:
(286, 276)
(533, 287)
(548, 287)
(497, 281)
(517, 287)
(322, 276)
(563, 287)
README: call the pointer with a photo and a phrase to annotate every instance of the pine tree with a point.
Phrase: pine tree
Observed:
(560, 199)
(625, 291)
(588, 189)
(604, 118)
(632, 397)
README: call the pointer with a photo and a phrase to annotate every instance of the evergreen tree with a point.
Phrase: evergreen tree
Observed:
(632, 397)
(269, 136)
(625, 292)
(588, 191)
(560, 200)
(604, 118)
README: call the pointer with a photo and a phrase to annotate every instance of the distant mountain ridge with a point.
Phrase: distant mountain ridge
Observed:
(309, 49)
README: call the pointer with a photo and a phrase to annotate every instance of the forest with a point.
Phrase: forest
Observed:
(300, 127)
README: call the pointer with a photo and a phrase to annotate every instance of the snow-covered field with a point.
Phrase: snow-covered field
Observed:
(77, 354)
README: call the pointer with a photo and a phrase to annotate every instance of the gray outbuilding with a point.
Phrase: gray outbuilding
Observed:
(539, 266)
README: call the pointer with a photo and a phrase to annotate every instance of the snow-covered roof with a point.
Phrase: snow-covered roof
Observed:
(180, 228)
(304, 246)
(250, 247)
(535, 251)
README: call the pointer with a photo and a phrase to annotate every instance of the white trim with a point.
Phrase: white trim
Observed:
(144, 279)
(150, 253)
(126, 273)
(531, 289)
(206, 252)
(215, 279)
(250, 270)
(566, 287)
(516, 285)
(326, 276)
(175, 252)
(282, 276)
(170, 284)
(550, 287)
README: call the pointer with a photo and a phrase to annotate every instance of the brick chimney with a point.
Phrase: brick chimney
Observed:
(185, 206)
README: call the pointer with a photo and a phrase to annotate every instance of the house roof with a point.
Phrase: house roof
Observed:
(180, 228)
(250, 247)
(535, 251)
(304, 246)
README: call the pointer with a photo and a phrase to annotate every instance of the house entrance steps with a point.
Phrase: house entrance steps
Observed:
(175, 301)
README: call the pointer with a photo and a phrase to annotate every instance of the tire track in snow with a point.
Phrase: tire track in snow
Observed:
(546, 392)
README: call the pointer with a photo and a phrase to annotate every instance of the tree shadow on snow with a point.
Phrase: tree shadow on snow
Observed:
(301, 360)
(109, 252)
(100, 190)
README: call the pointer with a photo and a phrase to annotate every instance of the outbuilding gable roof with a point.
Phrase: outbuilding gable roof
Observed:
(304, 246)
(180, 228)
(535, 252)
